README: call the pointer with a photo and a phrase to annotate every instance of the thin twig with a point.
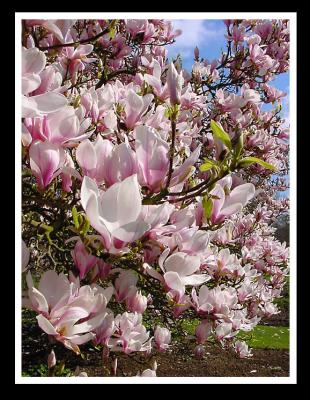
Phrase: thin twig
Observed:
(173, 128)
(72, 44)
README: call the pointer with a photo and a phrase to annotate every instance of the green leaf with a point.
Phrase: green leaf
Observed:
(80, 220)
(112, 33)
(112, 29)
(220, 134)
(75, 217)
(239, 146)
(86, 226)
(208, 164)
(247, 161)
(207, 205)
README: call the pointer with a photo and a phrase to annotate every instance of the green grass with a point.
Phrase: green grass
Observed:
(261, 337)
(267, 337)
(42, 371)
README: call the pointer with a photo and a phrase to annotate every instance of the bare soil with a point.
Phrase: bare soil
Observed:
(178, 361)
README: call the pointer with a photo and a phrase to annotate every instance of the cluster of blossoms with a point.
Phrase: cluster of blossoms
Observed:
(150, 189)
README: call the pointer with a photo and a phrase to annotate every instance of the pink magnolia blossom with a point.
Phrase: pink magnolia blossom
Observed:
(215, 301)
(101, 270)
(120, 164)
(193, 241)
(135, 26)
(242, 349)
(93, 158)
(33, 63)
(162, 337)
(199, 351)
(179, 270)
(46, 160)
(169, 33)
(185, 170)
(114, 213)
(83, 260)
(156, 216)
(130, 334)
(62, 127)
(226, 205)
(105, 330)
(76, 58)
(223, 330)
(135, 301)
(203, 331)
(51, 80)
(148, 373)
(154, 80)
(152, 158)
(225, 264)
(61, 304)
(124, 283)
(51, 360)
(134, 107)
(175, 82)
(67, 171)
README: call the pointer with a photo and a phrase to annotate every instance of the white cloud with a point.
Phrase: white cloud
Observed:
(194, 33)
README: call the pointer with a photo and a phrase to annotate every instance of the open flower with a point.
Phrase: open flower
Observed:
(62, 127)
(33, 63)
(242, 349)
(227, 202)
(134, 107)
(179, 270)
(130, 335)
(114, 213)
(62, 305)
(217, 301)
(92, 157)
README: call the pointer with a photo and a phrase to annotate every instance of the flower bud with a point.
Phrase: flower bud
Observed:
(114, 366)
(174, 83)
(51, 360)
(136, 302)
(196, 53)
(203, 331)
(83, 260)
(162, 338)
(199, 351)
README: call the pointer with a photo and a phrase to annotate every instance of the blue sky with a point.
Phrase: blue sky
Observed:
(209, 36)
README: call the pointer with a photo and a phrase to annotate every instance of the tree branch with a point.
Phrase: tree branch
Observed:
(173, 128)
(71, 44)
(104, 79)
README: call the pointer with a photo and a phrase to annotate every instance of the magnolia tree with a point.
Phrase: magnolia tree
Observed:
(149, 190)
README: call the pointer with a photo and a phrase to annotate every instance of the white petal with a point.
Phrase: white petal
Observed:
(45, 325)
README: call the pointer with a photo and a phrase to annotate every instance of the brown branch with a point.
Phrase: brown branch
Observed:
(200, 191)
(104, 79)
(173, 129)
(88, 40)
